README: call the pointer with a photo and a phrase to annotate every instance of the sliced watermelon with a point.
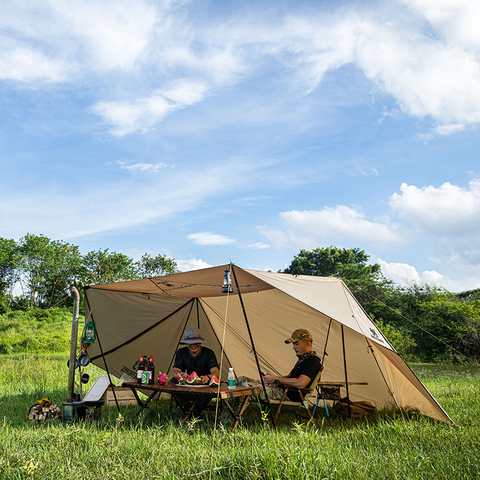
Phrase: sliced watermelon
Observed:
(214, 381)
(181, 380)
(194, 379)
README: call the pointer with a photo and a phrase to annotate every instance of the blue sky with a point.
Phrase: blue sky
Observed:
(217, 131)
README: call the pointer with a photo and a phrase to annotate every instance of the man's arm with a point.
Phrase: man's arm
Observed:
(213, 371)
(301, 382)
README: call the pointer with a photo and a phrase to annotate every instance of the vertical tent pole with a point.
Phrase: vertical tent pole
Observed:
(251, 340)
(346, 376)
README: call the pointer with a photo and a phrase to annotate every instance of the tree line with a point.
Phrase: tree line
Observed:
(424, 323)
(44, 270)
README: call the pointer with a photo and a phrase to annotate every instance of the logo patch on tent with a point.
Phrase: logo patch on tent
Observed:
(375, 335)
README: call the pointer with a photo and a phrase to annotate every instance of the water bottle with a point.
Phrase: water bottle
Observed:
(231, 379)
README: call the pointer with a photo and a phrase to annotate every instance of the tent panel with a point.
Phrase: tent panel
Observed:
(328, 295)
(121, 316)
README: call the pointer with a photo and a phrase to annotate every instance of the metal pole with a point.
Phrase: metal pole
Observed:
(346, 376)
(73, 344)
(251, 340)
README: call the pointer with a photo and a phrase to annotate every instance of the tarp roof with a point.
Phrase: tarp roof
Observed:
(149, 316)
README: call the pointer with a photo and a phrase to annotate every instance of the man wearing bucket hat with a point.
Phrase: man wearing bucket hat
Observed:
(301, 376)
(195, 357)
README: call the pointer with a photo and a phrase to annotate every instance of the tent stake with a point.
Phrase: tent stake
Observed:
(346, 377)
(253, 345)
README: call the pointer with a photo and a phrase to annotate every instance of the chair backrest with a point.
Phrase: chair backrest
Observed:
(315, 381)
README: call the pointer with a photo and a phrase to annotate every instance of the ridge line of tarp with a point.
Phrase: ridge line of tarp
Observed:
(147, 329)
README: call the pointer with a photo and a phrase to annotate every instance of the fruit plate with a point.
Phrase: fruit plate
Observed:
(191, 386)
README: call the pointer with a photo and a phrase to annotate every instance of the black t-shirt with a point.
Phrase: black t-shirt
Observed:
(201, 364)
(310, 367)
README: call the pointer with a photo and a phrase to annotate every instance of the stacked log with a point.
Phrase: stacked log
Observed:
(43, 410)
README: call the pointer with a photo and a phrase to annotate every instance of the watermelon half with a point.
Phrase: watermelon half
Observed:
(194, 379)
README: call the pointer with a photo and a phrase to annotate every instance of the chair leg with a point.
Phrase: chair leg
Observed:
(305, 405)
(279, 407)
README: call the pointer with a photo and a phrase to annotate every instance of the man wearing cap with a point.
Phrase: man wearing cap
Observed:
(195, 358)
(303, 373)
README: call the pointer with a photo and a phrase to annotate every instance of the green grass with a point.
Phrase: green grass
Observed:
(36, 331)
(154, 445)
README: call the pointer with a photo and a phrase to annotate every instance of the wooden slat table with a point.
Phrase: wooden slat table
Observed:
(223, 393)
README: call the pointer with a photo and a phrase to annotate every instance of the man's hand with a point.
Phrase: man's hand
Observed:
(270, 377)
(205, 379)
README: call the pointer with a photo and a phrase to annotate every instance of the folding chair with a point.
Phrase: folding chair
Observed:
(304, 393)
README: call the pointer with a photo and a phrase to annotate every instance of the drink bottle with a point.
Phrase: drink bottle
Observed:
(140, 369)
(151, 371)
(231, 379)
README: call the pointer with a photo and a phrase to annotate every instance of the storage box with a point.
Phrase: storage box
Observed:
(124, 397)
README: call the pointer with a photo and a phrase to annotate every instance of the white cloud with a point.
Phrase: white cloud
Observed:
(192, 264)
(135, 201)
(255, 246)
(455, 20)
(446, 130)
(426, 76)
(309, 229)
(128, 117)
(448, 210)
(100, 35)
(209, 238)
(26, 64)
(143, 167)
(407, 275)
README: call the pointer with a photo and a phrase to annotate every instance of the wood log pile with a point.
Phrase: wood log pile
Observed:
(43, 410)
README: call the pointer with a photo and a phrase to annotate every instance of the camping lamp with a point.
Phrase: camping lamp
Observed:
(89, 333)
(227, 282)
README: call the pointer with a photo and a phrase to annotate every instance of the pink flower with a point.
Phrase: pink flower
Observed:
(162, 378)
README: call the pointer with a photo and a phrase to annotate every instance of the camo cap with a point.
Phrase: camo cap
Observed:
(300, 334)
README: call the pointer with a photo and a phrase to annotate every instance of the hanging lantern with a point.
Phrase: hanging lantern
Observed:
(89, 333)
(227, 282)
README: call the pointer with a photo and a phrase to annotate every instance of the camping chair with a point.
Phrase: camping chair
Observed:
(304, 393)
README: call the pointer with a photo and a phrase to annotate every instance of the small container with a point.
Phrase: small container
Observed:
(231, 379)
(145, 377)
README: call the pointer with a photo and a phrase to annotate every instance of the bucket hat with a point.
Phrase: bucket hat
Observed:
(192, 335)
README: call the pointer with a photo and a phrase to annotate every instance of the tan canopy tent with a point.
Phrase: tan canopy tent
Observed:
(149, 316)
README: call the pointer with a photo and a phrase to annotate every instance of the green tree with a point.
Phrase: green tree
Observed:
(8, 265)
(365, 281)
(149, 266)
(47, 269)
(325, 262)
(105, 267)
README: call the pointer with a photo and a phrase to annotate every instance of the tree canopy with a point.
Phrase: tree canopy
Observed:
(46, 269)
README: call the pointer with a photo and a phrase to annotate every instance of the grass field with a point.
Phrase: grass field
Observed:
(154, 445)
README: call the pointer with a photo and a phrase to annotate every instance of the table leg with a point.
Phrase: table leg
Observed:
(142, 404)
(238, 416)
(187, 413)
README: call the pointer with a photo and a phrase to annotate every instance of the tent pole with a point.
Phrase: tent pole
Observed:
(346, 376)
(253, 345)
